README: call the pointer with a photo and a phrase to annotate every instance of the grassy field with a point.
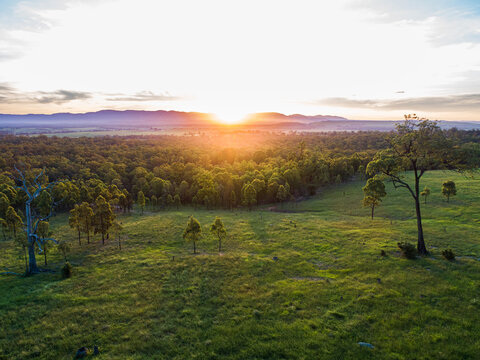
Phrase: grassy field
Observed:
(328, 290)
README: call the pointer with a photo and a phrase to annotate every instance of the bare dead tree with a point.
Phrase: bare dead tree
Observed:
(32, 219)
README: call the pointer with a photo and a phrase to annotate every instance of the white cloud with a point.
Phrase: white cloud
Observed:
(232, 57)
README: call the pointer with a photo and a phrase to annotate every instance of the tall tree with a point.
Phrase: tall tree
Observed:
(193, 232)
(218, 229)
(373, 192)
(417, 146)
(33, 217)
(74, 222)
(103, 217)
(86, 218)
(449, 189)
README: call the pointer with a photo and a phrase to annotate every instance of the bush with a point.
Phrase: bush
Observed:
(448, 254)
(383, 253)
(408, 250)
(67, 270)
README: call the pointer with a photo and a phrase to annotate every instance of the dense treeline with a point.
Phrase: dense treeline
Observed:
(213, 170)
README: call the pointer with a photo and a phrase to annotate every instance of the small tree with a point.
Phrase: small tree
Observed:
(22, 241)
(103, 217)
(141, 200)
(218, 229)
(449, 189)
(117, 230)
(74, 222)
(14, 222)
(64, 248)
(373, 192)
(43, 232)
(425, 193)
(193, 232)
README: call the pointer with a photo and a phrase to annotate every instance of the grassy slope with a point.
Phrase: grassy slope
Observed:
(328, 290)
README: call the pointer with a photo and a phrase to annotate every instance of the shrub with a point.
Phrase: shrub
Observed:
(67, 270)
(383, 253)
(408, 250)
(448, 254)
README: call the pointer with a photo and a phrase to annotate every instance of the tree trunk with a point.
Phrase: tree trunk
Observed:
(103, 238)
(448, 198)
(26, 261)
(194, 247)
(79, 240)
(219, 244)
(88, 234)
(373, 209)
(119, 243)
(45, 253)
(32, 261)
(421, 248)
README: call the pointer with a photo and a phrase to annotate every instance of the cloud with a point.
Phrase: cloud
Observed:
(145, 96)
(10, 95)
(61, 96)
(466, 102)
(449, 21)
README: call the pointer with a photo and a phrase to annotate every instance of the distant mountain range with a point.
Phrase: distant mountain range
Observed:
(166, 120)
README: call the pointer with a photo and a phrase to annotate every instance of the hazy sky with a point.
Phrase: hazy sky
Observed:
(374, 59)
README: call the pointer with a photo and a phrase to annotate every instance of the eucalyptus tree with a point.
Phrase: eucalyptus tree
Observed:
(33, 216)
(218, 229)
(449, 189)
(193, 232)
(373, 192)
(419, 145)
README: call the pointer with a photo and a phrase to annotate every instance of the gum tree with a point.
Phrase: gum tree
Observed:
(373, 192)
(418, 145)
(33, 217)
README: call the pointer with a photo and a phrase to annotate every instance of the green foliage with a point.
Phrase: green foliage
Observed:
(219, 230)
(67, 270)
(448, 254)
(449, 189)
(425, 193)
(373, 192)
(324, 285)
(13, 221)
(141, 200)
(249, 195)
(193, 232)
(64, 247)
(103, 217)
(408, 250)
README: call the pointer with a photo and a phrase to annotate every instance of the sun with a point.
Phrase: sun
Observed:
(230, 116)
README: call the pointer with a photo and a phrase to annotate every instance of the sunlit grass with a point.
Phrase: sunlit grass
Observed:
(328, 290)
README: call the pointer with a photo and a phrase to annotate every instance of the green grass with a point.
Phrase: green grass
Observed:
(328, 290)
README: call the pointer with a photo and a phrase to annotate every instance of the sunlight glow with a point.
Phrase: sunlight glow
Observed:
(230, 116)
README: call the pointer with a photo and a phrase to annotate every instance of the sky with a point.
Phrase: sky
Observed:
(362, 59)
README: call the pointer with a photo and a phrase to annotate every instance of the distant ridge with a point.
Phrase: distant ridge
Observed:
(165, 120)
